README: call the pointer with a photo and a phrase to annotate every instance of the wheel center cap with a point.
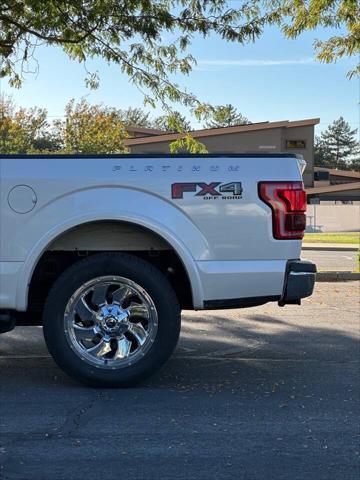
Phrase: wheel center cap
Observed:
(112, 319)
(110, 322)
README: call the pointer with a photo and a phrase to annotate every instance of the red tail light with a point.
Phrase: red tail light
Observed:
(287, 201)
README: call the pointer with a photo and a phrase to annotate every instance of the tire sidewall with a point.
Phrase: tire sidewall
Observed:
(137, 270)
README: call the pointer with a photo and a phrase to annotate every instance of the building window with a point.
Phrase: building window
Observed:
(321, 176)
(295, 144)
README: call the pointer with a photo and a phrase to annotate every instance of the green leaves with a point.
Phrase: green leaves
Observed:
(172, 122)
(225, 116)
(148, 39)
(91, 129)
(20, 128)
(344, 15)
(135, 117)
(175, 122)
(85, 129)
(187, 143)
(337, 147)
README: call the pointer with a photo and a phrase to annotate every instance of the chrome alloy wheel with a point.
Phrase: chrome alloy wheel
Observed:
(110, 322)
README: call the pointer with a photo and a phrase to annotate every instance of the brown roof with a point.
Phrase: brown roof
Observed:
(333, 188)
(338, 173)
(210, 132)
(144, 130)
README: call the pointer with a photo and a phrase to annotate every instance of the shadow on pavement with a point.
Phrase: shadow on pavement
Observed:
(202, 356)
(259, 394)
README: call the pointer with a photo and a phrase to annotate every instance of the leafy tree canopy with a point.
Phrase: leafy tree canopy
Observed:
(225, 116)
(85, 128)
(172, 122)
(187, 143)
(343, 16)
(176, 122)
(131, 33)
(337, 147)
(20, 128)
(91, 129)
(135, 117)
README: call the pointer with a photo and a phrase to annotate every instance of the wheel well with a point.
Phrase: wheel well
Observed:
(120, 236)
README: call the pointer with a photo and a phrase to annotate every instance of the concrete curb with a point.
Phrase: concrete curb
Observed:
(330, 248)
(337, 276)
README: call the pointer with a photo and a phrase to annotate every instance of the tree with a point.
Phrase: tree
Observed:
(225, 116)
(354, 163)
(299, 16)
(172, 122)
(135, 117)
(130, 34)
(338, 143)
(21, 129)
(187, 143)
(322, 154)
(337, 146)
(175, 122)
(91, 129)
(49, 142)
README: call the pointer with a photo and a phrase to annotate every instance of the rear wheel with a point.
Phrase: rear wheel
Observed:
(111, 320)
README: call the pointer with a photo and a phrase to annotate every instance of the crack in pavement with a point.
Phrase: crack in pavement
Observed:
(74, 419)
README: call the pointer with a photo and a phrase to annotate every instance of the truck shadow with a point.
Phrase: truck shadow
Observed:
(260, 350)
(215, 352)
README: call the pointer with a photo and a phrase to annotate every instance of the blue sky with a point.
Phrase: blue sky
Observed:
(272, 79)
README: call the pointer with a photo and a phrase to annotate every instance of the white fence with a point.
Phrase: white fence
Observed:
(333, 218)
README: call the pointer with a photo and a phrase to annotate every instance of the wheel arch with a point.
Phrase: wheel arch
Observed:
(146, 225)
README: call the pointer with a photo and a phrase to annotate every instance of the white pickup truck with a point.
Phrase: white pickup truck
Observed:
(105, 251)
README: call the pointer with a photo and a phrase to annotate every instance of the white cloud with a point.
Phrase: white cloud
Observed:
(254, 63)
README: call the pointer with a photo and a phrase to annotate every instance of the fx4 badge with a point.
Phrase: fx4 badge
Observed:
(208, 191)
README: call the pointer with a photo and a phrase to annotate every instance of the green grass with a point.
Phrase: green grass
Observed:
(346, 238)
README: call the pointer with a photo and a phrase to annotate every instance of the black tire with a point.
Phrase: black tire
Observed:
(137, 270)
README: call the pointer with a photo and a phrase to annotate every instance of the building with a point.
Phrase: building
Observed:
(264, 137)
(331, 185)
(138, 132)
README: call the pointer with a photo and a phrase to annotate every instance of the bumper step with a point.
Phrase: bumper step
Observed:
(299, 283)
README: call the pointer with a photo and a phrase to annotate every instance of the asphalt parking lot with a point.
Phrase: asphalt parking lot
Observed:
(263, 393)
(332, 260)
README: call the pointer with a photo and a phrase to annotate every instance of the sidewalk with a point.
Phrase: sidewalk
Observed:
(337, 276)
(335, 262)
(339, 247)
